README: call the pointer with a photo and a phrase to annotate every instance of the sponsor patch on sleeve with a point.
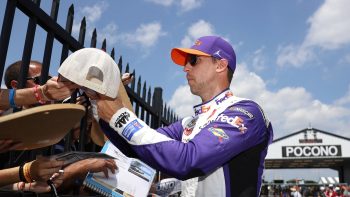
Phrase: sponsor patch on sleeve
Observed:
(131, 128)
(244, 111)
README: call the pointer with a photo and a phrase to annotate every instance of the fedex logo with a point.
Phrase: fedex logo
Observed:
(227, 95)
(236, 121)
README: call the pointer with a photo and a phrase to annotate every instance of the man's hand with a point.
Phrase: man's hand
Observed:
(127, 78)
(106, 109)
(81, 168)
(43, 168)
(56, 90)
(42, 187)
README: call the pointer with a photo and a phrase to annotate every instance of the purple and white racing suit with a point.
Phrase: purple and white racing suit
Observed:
(219, 151)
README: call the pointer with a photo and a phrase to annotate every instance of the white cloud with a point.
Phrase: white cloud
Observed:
(146, 35)
(329, 27)
(238, 45)
(109, 32)
(294, 55)
(345, 100)
(184, 5)
(259, 59)
(187, 5)
(290, 109)
(196, 30)
(162, 2)
(199, 29)
(93, 13)
(345, 59)
(182, 101)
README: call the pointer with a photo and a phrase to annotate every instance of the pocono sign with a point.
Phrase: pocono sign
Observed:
(311, 151)
(309, 143)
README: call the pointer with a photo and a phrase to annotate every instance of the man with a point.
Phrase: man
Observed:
(52, 90)
(219, 151)
(13, 71)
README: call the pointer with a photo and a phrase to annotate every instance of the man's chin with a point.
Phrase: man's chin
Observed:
(193, 91)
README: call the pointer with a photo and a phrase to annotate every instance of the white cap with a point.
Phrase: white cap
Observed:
(93, 69)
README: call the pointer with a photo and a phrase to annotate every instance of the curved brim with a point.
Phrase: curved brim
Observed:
(40, 126)
(179, 55)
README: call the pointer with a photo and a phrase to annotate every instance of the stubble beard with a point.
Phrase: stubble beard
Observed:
(196, 88)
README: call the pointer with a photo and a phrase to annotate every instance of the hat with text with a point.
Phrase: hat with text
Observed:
(93, 69)
(213, 46)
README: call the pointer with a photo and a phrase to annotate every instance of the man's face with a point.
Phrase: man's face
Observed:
(200, 75)
(33, 71)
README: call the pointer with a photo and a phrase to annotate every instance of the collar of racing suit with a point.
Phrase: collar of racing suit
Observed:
(204, 107)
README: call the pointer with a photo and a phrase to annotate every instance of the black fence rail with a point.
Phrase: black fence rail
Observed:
(149, 106)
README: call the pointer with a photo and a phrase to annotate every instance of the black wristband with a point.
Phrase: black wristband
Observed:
(21, 173)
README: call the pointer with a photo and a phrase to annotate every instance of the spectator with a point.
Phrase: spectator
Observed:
(52, 90)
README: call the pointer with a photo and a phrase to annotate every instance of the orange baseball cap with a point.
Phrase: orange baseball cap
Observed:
(211, 46)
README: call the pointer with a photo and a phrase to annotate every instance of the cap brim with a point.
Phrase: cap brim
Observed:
(179, 55)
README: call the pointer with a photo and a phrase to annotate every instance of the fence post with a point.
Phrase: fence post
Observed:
(27, 50)
(69, 26)
(93, 39)
(157, 104)
(104, 45)
(49, 44)
(6, 33)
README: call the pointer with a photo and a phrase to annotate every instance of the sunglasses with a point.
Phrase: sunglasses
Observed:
(36, 79)
(192, 59)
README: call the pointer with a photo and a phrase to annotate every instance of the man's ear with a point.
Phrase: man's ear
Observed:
(221, 65)
(14, 84)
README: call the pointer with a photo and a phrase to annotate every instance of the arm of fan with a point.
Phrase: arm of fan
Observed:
(123, 95)
(97, 134)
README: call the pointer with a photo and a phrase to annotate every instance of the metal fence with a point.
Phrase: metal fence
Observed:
(147, 105)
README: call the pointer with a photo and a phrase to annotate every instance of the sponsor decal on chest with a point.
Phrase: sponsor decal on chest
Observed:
(190, 126)
(201, 109)
(222, 99)
(236, 122)
(218, 132)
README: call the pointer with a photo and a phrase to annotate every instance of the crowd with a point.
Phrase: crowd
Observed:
(340, 190)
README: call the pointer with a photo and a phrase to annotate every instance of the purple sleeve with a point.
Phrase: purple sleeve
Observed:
(173, 131)
(237, 129)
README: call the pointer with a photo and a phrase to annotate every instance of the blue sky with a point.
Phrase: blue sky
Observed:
(293, 56)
